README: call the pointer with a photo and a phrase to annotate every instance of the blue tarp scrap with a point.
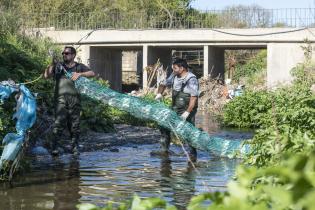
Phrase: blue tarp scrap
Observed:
(25, 117)
(6, 89)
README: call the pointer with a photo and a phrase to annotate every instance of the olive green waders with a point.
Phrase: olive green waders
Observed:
(67, 114)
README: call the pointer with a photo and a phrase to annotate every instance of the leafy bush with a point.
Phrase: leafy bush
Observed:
(247, 110)
(23, 59)
(252, 67)
(285, 117)
(290, 184)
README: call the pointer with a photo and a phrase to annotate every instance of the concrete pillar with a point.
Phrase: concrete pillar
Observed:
(281, 58)
(145, 56)
(129, 67)
(205, 61)
(214, 62)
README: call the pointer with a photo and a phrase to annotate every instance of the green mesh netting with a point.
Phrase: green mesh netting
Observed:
(165, 117)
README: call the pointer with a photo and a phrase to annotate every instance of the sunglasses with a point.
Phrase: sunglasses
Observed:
(66, 53)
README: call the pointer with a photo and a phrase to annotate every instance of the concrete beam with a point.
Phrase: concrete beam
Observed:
(205, 61)
(191, 36)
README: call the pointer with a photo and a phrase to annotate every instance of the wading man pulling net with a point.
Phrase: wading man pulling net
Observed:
(185, 91)
(67, 98)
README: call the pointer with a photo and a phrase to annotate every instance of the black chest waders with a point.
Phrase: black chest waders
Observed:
(180, 102)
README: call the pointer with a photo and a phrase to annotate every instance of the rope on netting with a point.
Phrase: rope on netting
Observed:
(165, 117)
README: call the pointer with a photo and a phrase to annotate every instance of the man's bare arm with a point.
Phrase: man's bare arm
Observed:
(192, 103)
(161, 89)
(76, 75)
(48, 72)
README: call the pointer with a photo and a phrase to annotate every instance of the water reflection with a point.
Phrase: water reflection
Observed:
(98, 177)
(207, 123)
(182, 185)
(54, 186)
(66, 196)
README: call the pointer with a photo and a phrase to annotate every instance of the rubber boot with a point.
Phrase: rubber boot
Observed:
(192, 154)
(165, 141)
(75, 145)
(54, 145)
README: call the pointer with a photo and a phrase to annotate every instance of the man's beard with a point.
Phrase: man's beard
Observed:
(66, 61)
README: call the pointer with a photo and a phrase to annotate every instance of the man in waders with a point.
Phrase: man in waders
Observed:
(67, 99)
(185, 91)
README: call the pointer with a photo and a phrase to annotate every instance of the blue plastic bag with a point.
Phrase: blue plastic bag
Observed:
(25, 117)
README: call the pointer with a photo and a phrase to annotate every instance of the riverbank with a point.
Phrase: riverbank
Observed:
(125, 135)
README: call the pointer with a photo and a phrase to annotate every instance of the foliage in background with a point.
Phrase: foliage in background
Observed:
(280, 171)
(285, 117)
(23, 59)
(250, 69)
(66, 14)
(87, 14)
(247, 110)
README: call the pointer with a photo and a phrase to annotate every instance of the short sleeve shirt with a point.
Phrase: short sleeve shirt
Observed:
(65, 86)
(191, 87)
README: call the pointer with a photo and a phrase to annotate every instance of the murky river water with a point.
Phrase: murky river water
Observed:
(97, 177)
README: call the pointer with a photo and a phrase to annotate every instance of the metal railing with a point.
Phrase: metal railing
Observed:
(230, 18)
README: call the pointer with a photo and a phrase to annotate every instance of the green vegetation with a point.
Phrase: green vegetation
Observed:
(88, 14)
(23, 59)
(279, 173)
(67, 14)
(250, 70)
(247, 67)
(285, 117)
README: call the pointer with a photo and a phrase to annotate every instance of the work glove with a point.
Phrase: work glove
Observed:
(158, 97)
(185, 115)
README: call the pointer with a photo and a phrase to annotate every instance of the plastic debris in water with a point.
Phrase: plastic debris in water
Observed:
(25, 117)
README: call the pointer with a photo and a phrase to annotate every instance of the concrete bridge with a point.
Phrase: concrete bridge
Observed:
(102, 49)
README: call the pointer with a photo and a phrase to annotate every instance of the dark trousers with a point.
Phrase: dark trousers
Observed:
(67, 115)
(166, 135)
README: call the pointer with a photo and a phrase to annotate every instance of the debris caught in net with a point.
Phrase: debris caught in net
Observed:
(165, 117)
